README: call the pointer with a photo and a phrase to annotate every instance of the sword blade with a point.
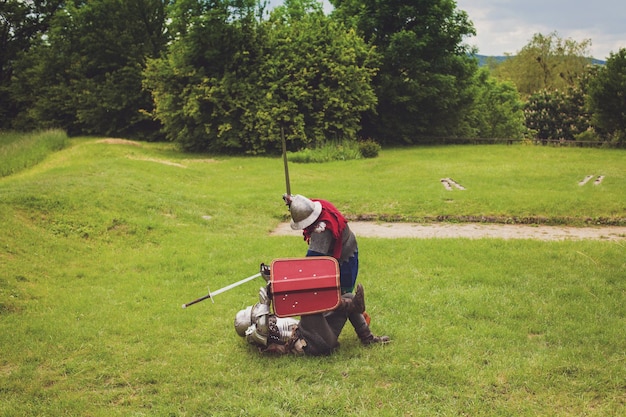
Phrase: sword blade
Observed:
(231, 286)
(221, 290)
(287, 184)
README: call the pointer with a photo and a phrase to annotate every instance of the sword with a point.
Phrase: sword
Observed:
(282, 135)
(221, 290)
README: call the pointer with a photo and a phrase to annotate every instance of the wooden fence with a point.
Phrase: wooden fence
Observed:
(542, 142)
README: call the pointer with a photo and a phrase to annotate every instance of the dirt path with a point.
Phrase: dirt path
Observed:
(474, 231)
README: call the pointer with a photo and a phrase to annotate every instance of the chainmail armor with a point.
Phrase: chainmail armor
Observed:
(323, 242)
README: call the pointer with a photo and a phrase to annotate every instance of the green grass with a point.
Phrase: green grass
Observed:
(503, 184)
(20, 151)
(102, 243)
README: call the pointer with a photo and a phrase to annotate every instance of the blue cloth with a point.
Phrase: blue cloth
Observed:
(348, 270)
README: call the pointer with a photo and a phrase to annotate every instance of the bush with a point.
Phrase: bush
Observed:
(329, 151)
(588, 135)
(369, 148)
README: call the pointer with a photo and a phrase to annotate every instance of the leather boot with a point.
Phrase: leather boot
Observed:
(355, 304)
(368, 338)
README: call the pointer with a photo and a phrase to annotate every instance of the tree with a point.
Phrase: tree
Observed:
(231, 82)
(607, 97)
(318, 76)
(86, 75)
(497, 111)
(205, 80)
(546, 62)
(425, 78)
(22, 25)
(557, 115)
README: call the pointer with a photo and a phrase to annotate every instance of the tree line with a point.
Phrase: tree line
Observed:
(231, 75)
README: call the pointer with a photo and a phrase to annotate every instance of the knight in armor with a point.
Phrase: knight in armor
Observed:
(327, 233)
(314, 334)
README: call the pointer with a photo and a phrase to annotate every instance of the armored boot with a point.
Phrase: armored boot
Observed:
(355, 304)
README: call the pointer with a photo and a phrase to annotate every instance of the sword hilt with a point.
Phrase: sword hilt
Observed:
(211, 295)
(197, 300)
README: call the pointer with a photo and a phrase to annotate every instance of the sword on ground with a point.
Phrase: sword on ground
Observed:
(221, 290)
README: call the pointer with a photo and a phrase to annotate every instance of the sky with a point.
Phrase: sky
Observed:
(506, 26)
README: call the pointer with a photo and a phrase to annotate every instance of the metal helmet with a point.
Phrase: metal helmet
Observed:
(304, 212)
(243, 320)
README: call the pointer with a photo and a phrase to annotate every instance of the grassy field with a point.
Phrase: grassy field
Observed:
(102, 242)
(20, 151)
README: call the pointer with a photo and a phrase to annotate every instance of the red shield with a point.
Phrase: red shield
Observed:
(304, 285)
